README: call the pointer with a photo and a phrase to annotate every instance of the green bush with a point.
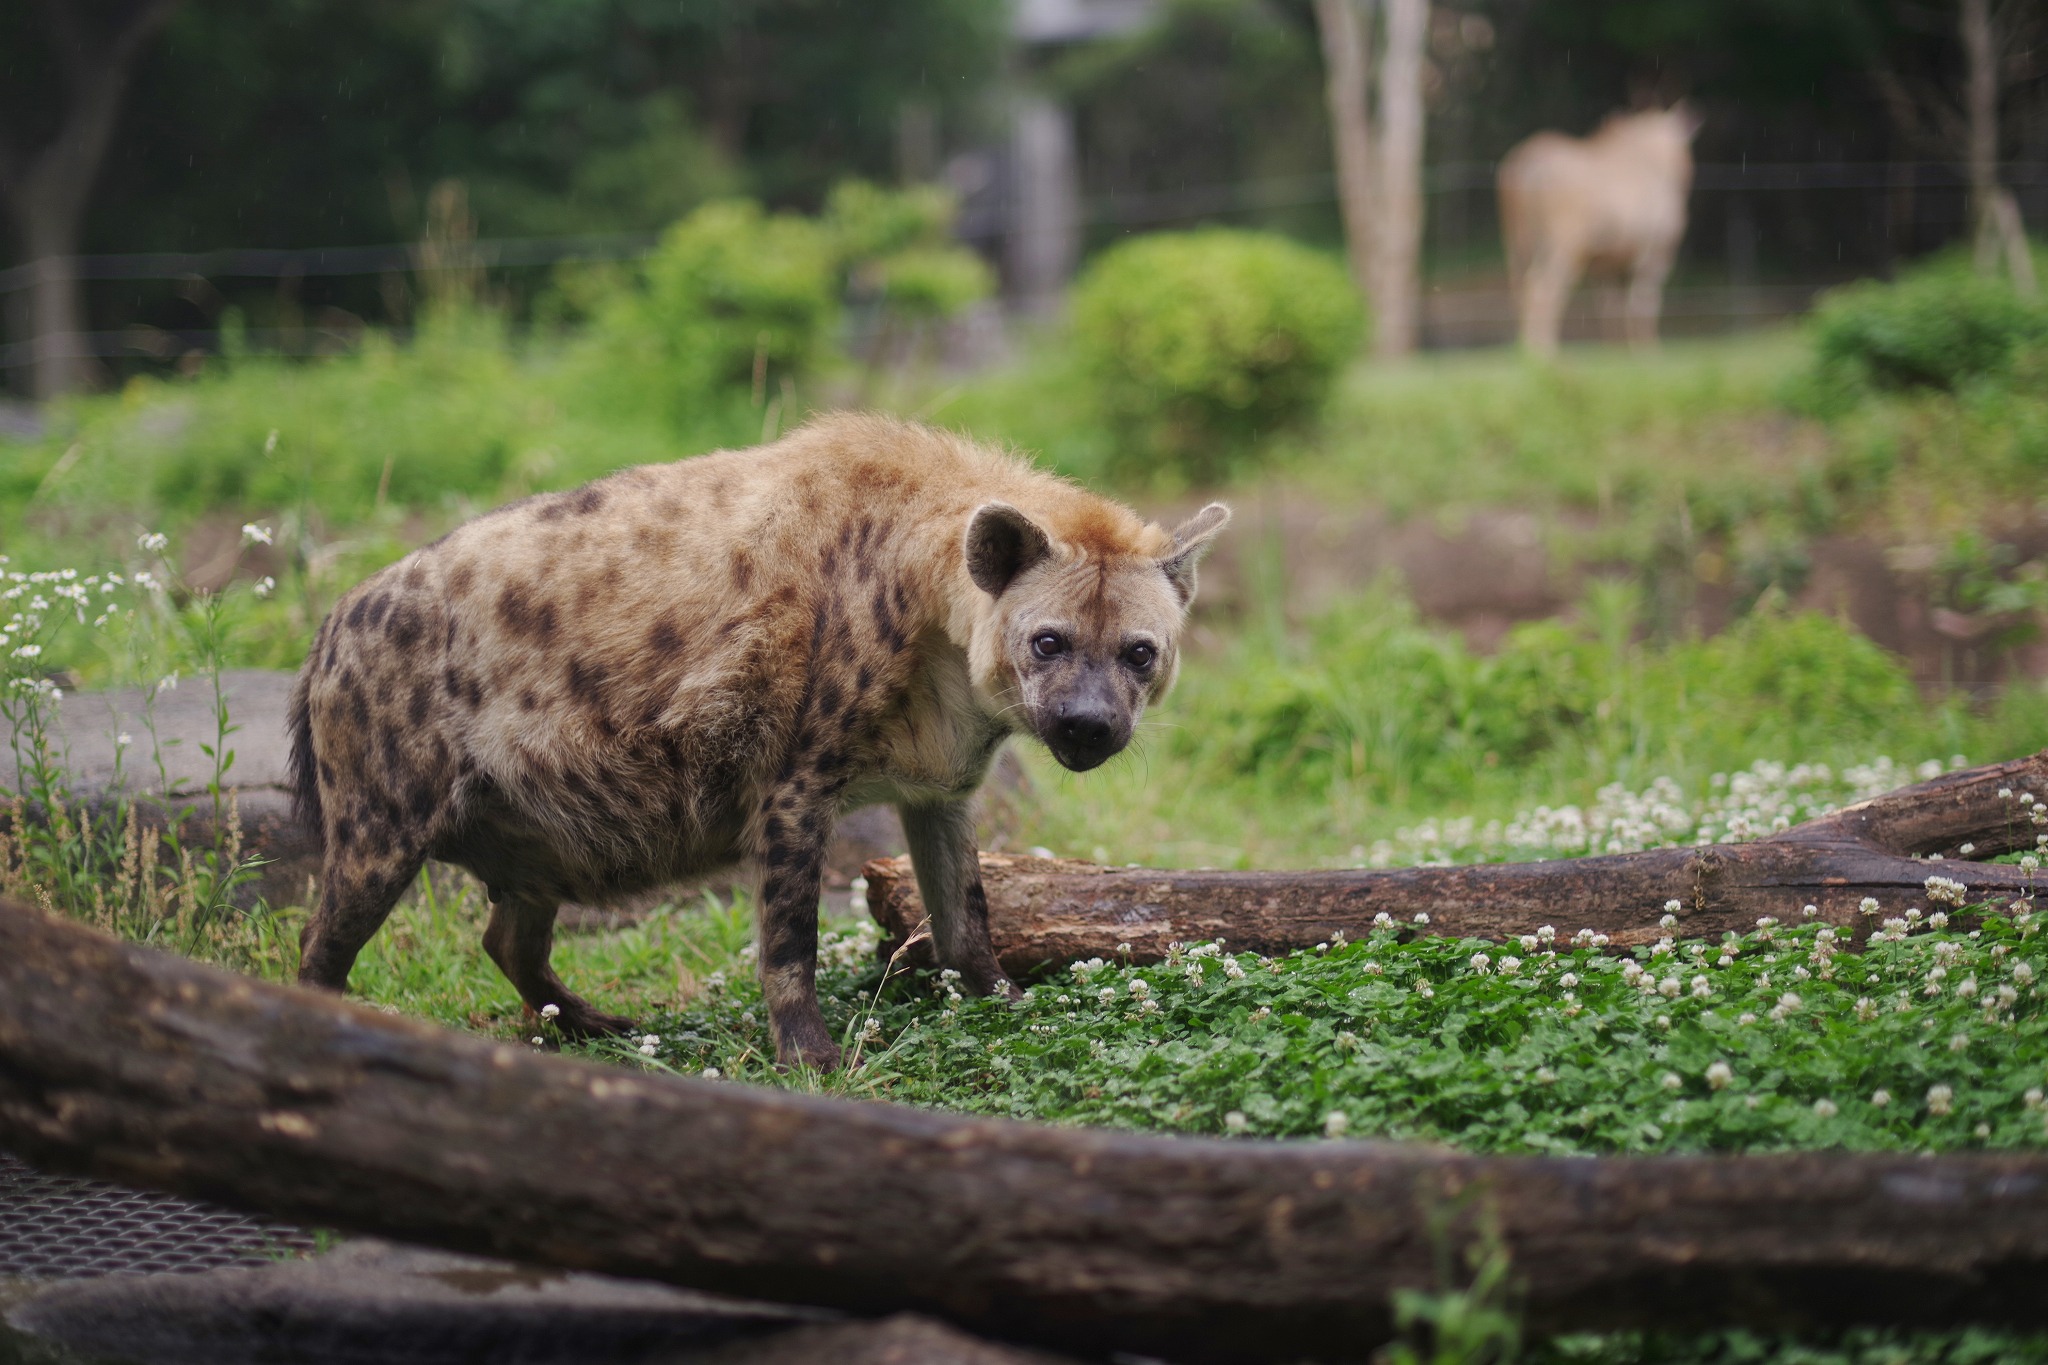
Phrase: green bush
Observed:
(735, 300)
(1196, 344)
(1937, 328)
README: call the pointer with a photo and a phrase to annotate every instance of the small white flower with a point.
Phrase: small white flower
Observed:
(1568, 980)
(1383, 920)
(1825, 1108)
(2022, 972)
(1880, 1098)
(1968, 988)
(1422, 917)
(252, 534)
(550, 1011)
(1940, 1099)
(539, 1042)
(265, 586)
(1510, 965)
(1530, 943)
(1745, 1018)
(153, 543)
(1719, 1075)
(651, 1040)
(124, 739)
(1868, 905)
(1335, 1122)
(1663, 1021)
(1866, 1009)
(2032, 1099)
(1670, 987)
(646, 1049)
(1235, 1121)
(711, 1073)
(1671, 1081)
(1809, 910)
(1982, 1130)
(1967, 849)
(1957, 1042)
(1480, 962)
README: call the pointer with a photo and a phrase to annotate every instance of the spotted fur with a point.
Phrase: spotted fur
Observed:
(690, 665)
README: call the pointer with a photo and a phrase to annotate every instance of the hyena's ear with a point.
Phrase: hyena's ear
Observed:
(1002, 543)
(1191, 540)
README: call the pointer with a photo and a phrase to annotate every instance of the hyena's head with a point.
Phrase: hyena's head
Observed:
(1080, 639)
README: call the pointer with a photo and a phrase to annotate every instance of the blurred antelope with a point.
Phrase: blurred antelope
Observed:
(1615, 198)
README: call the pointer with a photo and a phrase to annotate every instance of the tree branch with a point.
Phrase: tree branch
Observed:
(1045, 913)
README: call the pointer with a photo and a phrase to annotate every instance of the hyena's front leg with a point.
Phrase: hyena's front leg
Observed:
(941, 839)
(793, 841)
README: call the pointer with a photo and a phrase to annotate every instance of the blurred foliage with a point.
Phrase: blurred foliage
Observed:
(1198, 344)
(1940, 326)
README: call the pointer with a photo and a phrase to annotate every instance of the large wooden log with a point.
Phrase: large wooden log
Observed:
(1046, 912)
(135, 1066)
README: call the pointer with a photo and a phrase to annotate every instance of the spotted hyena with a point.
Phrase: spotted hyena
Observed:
(685, 666)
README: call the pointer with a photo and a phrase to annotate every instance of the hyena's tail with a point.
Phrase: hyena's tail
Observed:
(305, 769)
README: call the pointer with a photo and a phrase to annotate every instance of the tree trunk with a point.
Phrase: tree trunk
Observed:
(1397, 236)
(1046, 913)
(1347, 61)
(47, 196)
(135, 1066)
(1994, 212)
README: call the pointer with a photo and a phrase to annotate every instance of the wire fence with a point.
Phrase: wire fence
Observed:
(1737, 207)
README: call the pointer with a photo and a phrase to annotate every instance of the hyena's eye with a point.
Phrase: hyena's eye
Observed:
(1048, 644)
(1140, 656)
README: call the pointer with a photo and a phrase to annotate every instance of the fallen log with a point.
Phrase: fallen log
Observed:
(139, 1067)
(1047, 912)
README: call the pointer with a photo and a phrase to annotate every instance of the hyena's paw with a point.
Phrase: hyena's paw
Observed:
(579, 1019)
(801, 1039)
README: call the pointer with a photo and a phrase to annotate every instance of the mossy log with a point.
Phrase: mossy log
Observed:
(1047, 912)
(136, 1066)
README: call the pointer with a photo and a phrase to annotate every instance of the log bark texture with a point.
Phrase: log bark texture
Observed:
(135, 1066)
(1047, 912)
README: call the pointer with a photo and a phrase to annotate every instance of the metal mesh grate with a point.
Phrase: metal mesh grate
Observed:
(57, 1227)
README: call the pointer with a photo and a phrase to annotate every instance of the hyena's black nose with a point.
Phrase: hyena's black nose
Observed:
(1084, 734)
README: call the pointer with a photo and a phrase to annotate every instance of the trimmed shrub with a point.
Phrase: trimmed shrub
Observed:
(1938, 328)
(1197, 344)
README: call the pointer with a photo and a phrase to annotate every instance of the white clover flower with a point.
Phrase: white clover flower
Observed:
(1142, 989)
(646, 1049)
(1530, 943)
(538, 1042)
(1809, 910)
(2032, 1099)
(1568, 980)
(1947, 889)
(1667, 921)
(1480, 962)
(1967, 849)
(1958, 1042)
(1940, 1099)
(1719, 1076)
(1880, 1098)
(1425, 990)
(711, 1073)
(1670, 1080)
(1383, 920)
(1546, 934)
(1967, 988)
(2029, 863)
(1510, 965)
(1669, 987)
(1335, 1122)
(1825, 1108)
(1701, 987)
(1232, 970)
(1422, 917)
(1938, 920)
(2005, 793)
(1235, 1121)
(1582, 939)
(550, 1011)
(1545, 1076)
(1601, 940)
(2022, 972)
(1663, 1021)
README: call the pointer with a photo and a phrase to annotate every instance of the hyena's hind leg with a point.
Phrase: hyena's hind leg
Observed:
(520, 939)
(357, 892)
